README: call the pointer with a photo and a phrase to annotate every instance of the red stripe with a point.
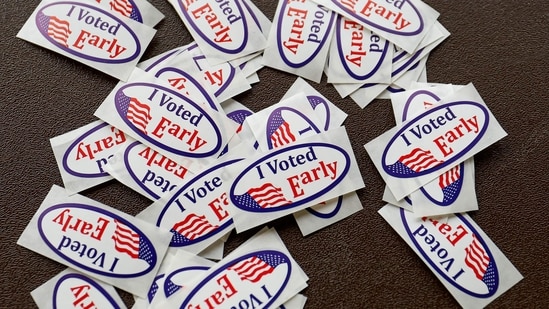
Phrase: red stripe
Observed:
(282, 135)
(268, 195)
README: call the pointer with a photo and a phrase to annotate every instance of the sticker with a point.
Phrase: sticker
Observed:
(82, 154)
(97, 240)
(178, 269)
(223, 80)
(299, 39)
(146, 171)
(197, 213)
(322, 107)
(261, 272)
(404, 23)
(290, 178)
(87, 33)
(459, 253)
(453, 191)
(285, 122)
(139, 10)
(71, 289)
(358, 55)
(160, 117)
(426, 146)
(223, 30)
(327, 213)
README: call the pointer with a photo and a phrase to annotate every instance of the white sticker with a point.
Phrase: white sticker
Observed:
(422, 148)
(159, 116)
(299, 40)
(223, 30)
(323, 108)
(197, 213)
(327, 213)
(86, 32)
(293, 177)
(82, 154)
(459, 253)
(358, 55)
(404, 23)
(261, 271)
(71, 289)
(453, 191)
(97, 240)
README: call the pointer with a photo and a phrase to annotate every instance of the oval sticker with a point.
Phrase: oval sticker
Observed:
(290, 177)
(435, 139)
(263, 275)
(187, 85)
(178, 125)
(303, 29)
(399, 17)
(285, 125)
(76, 290)
(222, 25)
(361, 51)
(152, 171)
(456, 251)
(97, 240)
(451, 182)
(197, 211)
(87, 154)
(88, 32)
(180, 278)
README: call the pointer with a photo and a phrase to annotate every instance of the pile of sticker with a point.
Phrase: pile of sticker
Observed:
(171, 131)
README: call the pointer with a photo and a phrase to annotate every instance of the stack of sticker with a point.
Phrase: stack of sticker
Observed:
(170, 131)
(427, 164)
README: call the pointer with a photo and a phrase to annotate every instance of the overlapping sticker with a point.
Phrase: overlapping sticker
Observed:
(71, 289)
(86, 32)
(424, 147)
(458, 252)
(97, 240)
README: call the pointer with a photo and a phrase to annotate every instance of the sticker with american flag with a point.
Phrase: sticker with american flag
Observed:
(101, 35)
(458, 252)
(98, 240)
(425, 146)
(261, 269)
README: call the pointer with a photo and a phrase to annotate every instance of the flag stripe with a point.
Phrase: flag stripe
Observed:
(126, 240)
(282, 135)
(476, 258)
(121, 6)
(194, 226)
(268, 196)
(252, 269)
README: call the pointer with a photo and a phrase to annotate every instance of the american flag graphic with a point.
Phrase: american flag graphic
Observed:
(191, 227)
(278, 131)
(154, 288)
(138, 113)
(265, 196)
(480, 263)
(125, 8)
(315, 101)
(170, 288)
(256, 267)
(450, 183)
(414, 162)
(56, 28)
(131, 243)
